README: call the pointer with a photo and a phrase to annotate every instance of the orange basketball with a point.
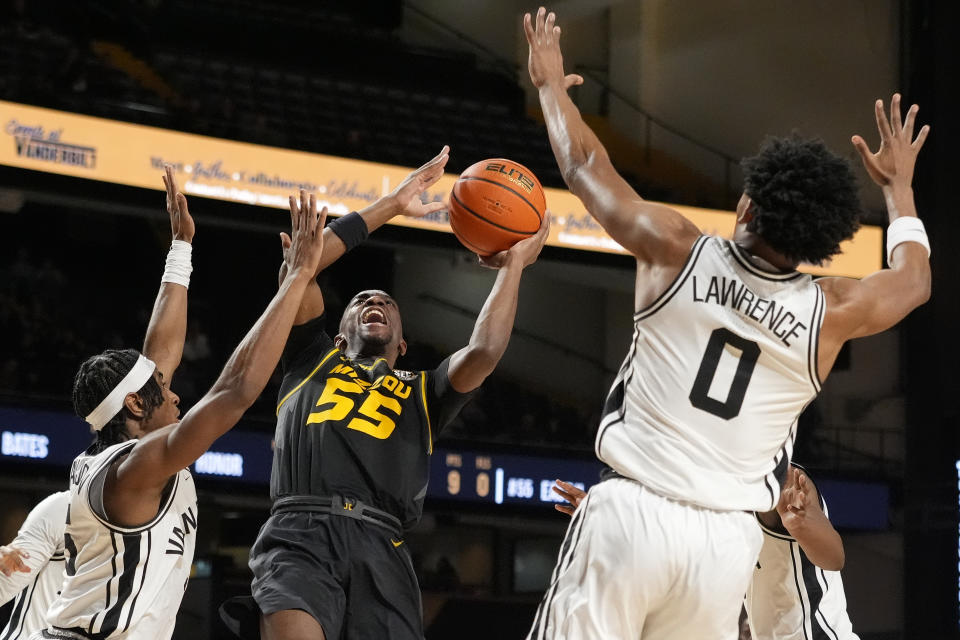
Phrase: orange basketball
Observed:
(495, 204)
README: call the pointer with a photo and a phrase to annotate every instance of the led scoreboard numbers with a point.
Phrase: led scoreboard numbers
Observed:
(505, 478)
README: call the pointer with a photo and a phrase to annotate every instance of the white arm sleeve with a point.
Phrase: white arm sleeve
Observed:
(41, 535)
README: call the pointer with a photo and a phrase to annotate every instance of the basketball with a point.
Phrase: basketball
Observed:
(496, 203)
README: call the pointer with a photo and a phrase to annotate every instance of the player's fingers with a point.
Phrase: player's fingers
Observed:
(311, 218)
(169, 180)
(861, 146)
(285, 241)
(182, 204)
(921, 137)
(528, 28)
(294, 213)
(303, 206)
(433, 207)
(541, 15)
(563, 508)
(909, 121)
(548, 27)
(883, 125)
(322, 222)
(572, 80)
(441, 157)
(544, 228)
(895, 121)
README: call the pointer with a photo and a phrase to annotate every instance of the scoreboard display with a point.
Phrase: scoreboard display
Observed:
(505, 478)
(53, 439)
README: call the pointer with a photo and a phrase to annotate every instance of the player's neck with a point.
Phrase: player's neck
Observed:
(762, 252)
(368, 356)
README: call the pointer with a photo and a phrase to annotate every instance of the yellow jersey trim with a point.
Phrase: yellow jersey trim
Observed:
(371, 365)
(297, 388)
(426, 411)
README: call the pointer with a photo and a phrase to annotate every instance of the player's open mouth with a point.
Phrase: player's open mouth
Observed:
(373, 315)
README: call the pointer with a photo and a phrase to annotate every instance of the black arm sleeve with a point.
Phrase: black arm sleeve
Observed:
(443, 401)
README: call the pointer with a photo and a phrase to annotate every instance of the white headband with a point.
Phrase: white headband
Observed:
(131, 383)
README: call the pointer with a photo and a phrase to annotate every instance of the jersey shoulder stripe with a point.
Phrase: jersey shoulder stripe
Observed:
(671, 291)
(323, 361)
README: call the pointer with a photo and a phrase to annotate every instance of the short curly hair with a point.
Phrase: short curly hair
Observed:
(805, 198)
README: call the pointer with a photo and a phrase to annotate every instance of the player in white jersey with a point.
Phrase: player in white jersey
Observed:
(133, 514)
(36, 555)
(796, 592)
(730, 343)
(31, 567)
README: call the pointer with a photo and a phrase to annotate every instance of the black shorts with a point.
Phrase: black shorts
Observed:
(356, 579)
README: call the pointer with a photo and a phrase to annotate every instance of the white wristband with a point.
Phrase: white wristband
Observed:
(179, 265)
(906, 229)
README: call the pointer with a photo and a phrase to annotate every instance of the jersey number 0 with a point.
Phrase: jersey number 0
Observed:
(749, 353)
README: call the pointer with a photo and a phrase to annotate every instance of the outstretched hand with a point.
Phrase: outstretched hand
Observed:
(572, 494)
(181, 222)
(545, 61)
(303, 247)
(407, 194)
(893, 163)
(525, 252)
(11, 560)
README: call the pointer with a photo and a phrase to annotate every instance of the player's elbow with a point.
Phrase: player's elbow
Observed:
(581, 167)
(236, 392)
(834, 563)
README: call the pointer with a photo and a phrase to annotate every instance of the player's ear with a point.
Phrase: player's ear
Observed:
(745, 213)
(134, 405)
(402, 347)
(339, 341)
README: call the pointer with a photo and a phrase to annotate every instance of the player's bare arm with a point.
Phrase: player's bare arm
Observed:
(882, 299)
(656, 234)
(405, 200)
(168, 323)
(800, 514)
(134, 485)
(470, 366)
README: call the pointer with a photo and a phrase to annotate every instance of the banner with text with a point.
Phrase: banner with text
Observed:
(121, 153)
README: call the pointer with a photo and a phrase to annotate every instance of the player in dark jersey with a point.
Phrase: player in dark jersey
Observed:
(353, 443)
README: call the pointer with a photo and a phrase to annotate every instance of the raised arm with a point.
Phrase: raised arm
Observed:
(654, 233)
(800, 513)
(882, 299)
(157, 456)
(343, 234)
(470, 366)
(168, 323)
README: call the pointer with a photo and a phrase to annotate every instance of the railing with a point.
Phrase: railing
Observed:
(857, 450)
(651, 123)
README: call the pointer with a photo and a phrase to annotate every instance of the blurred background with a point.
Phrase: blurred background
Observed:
(677, 91)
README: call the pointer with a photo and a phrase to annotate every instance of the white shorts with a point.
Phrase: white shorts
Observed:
(637, 565)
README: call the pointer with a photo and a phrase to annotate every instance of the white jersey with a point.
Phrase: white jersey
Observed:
(790, 598)
(42, 537)
(704, 408)
(123, 582)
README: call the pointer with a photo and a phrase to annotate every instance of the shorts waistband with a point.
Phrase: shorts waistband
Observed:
(338, 506)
